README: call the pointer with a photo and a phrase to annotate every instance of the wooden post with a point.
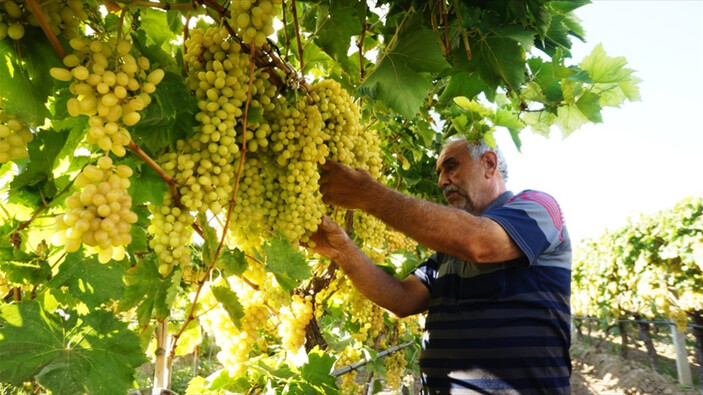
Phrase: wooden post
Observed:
(683, 369)
(162, 369)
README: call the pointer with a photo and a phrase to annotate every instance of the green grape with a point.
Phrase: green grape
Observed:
(14, 136)
(252, 20)
(348, 356)
(294, 319)
(349, 142)
(394, 366)
(111, 86)
(98, 214)
(172, 233)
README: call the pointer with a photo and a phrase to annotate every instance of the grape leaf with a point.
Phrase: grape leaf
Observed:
(35, 183)
(67, 354)
(88, 280)
(233, 261)
(147, 186)
(26, 83)
(230, 302)
(156, 26)
(23, 268)
(569, 118)
(399, 80)
(336, 24)
(145, 287)
(287, 264)
(604, 69)
(497, 59)
(317, 370)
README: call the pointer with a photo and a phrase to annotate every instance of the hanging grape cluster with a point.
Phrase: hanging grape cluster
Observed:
(109, 85)
(99, 215)
(63, 17)
(14, 136)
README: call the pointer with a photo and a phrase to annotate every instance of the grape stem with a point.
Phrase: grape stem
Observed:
(294, 11)
(34, 7)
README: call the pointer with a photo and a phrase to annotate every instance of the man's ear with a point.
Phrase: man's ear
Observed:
(489, 161)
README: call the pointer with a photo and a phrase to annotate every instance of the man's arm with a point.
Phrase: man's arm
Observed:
(440, 228)
(402, 298)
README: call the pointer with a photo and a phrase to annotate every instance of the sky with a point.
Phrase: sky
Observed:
(645, 156)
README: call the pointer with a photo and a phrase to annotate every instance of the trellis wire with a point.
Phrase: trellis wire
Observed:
(360, 363)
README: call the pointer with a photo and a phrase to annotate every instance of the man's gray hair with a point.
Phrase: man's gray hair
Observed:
(478, 148)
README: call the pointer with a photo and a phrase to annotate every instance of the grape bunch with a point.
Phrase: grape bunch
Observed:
(235, 344)
(98, 215)
(172, 233)
(110, 86)
(298, 143)
(394, 365)
(349, 142)
(349, 355)
(14, 136)
(63, 16)
(252, 20)
(294, 320)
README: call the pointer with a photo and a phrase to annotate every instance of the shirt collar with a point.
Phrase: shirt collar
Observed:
(499, 201)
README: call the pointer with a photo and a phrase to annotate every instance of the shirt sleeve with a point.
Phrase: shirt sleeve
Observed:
(427, 271)
(533, 220)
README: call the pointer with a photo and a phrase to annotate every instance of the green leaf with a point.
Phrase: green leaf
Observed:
(590, 107)
(507, 119)
(157, 26)
(230, 302)
(336, 24)
(569, 118)
(26, 84)
(498, 60)
(399, 80)
(88, 280)
(147, 186)
(67, 354)
(145, 287)
(35, 183)
(281, 258)
(540, 121)
(317, 370)
(604, 69)
(463, 84)
(233, 261)
(22, 268)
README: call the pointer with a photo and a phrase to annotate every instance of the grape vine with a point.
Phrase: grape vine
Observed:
(170, 152)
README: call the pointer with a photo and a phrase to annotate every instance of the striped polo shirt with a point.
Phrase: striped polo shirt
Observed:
(502, 328)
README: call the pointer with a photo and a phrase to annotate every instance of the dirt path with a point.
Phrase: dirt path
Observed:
(596, 371)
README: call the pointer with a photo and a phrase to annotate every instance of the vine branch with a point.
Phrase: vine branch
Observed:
(34, 7)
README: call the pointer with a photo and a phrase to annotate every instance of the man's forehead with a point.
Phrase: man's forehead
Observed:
(450, 151)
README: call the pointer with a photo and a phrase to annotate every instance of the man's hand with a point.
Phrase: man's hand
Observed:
(330, 239)
(343, 186)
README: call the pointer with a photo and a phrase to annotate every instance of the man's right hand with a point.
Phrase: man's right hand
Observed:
(345, 187)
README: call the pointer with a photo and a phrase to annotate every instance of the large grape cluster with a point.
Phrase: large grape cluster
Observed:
(394, 366)
(349, 142)
(63, 16)
(98, 215)
(14, 136)
(110, 86)
(252, 20)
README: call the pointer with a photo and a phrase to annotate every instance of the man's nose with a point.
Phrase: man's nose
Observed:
(442, 181)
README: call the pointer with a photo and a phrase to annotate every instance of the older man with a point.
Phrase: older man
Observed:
(496, 290)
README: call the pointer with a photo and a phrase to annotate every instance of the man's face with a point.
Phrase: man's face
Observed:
(460, 177)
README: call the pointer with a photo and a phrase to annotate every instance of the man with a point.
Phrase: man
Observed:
(498, 287)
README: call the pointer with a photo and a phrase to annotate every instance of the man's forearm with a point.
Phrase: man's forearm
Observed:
(377, 285)
(433, 225)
